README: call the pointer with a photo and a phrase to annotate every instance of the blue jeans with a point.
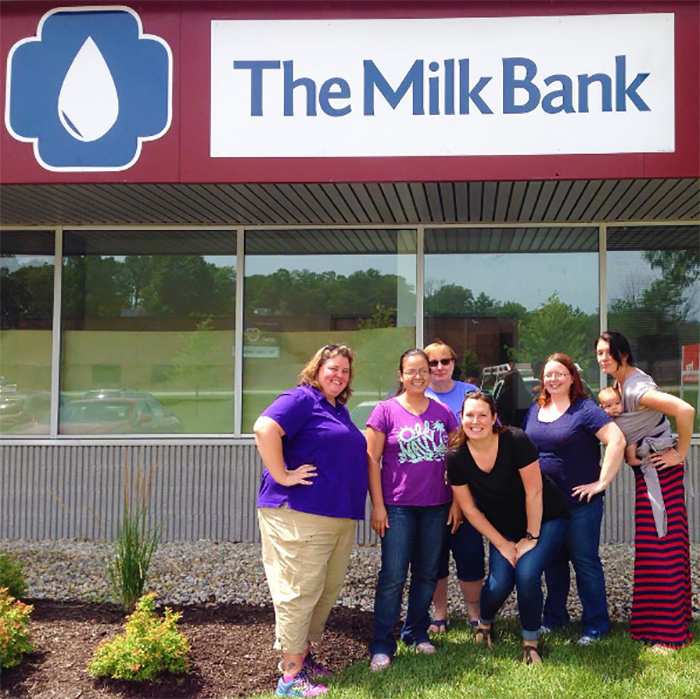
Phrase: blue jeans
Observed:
(526, 578)
(467, 547)
(581, 548)
(413, 538)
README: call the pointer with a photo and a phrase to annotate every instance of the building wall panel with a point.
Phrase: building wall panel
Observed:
(195, 491)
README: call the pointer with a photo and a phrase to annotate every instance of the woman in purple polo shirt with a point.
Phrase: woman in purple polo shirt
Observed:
(567, 428)
(407, 440)
(312, 493)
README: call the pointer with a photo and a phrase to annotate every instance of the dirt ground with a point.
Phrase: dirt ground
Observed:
(231, 652)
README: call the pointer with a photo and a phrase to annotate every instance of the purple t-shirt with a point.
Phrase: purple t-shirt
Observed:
(569, 451)
(415, 447)
(321, 434)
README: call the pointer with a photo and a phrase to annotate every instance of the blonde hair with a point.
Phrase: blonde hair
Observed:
(438, 344)
(607, 393)
(308, 376)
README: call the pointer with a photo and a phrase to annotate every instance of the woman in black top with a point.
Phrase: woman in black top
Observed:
(496, 479)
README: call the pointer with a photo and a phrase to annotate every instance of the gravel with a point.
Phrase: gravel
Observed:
(206, 572)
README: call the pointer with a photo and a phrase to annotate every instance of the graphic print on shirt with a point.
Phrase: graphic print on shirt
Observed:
(424, 441)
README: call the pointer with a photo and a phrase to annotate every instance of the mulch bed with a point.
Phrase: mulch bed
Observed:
(231, 652)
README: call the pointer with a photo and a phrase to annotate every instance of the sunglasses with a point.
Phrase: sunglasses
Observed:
(485, 391)
(434, 362)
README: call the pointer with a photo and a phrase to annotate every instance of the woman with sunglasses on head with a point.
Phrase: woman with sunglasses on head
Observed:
(568, 428)
(465, 543)
(496, 481)
(312, 493)
(407, 440)
(661, 592)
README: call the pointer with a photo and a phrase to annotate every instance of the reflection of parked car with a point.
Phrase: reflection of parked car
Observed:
(117, 412)
(19, 412)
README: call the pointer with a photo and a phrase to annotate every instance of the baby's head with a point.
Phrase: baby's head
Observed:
(610, 401)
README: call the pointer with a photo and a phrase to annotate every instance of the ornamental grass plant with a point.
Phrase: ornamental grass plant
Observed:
(150, 645)
(137, 541)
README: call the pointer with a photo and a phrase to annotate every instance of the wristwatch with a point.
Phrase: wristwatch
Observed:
(531, 537)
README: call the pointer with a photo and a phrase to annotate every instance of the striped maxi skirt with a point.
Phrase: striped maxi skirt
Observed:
(661, 596)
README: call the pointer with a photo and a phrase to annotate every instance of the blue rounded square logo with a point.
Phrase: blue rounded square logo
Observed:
(89, 89)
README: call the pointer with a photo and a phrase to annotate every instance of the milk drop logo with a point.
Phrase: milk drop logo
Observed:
(89, 89)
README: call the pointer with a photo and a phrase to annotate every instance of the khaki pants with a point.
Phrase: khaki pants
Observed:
(305, 557)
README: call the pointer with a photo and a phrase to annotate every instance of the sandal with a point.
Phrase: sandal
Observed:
(438, 626)
(531, 655)
(482, 636)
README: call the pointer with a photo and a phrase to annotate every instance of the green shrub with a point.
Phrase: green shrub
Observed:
(14, 632)
(149, 645)
(12, 576)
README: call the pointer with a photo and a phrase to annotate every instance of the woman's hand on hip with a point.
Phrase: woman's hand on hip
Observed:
(586, 491)
(666, 459)
(379, 519)
(509, 551)
(302, 475)
(523, 546)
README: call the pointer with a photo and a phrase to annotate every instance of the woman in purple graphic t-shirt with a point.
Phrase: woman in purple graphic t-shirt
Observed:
(312, 493)
(407, 440)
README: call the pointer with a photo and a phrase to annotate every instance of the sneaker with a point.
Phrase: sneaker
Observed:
(379, 662)
(312, 668)
(587, 640)
(425, 648)
(299, 686)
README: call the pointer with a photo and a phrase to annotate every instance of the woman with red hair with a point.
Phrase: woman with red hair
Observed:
(567, 429)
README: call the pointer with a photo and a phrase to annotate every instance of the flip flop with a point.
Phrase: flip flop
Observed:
(438, 626)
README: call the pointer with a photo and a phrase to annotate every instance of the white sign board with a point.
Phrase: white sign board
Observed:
(442, 87)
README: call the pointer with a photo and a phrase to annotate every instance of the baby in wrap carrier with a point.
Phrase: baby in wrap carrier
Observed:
(641, 444)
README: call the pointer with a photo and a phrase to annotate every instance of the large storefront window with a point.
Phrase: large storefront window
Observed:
(654, 299)
(304, 289)
(505, 298)
(148, 332)
(26, 311)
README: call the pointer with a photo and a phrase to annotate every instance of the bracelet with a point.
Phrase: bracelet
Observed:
(531, 537)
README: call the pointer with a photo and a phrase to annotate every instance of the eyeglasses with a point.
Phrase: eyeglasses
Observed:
(434, 362)
(557, 375)
(415, 372)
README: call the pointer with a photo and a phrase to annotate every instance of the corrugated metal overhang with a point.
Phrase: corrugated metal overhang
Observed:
(565, 201)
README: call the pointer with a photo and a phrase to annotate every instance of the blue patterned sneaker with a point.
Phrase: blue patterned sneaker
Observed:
(299, 686)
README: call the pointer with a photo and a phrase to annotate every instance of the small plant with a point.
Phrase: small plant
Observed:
(135, 545)
(14, 631)
(12, 576)
(149, 646)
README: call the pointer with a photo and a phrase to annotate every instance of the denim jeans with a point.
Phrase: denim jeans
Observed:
(413, 538)
(581, 548)
(467, 547)
(525, 577)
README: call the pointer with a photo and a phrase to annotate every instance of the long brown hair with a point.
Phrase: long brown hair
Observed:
(459, 437)
(308, 376)
(576, 389)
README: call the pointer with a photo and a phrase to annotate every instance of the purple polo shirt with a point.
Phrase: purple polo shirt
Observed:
(569, 451)
(415, 447)
(321, 434)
